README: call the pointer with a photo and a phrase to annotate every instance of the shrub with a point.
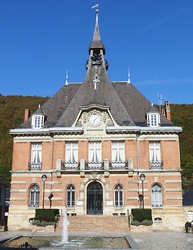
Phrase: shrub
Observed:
(46, 214)
(141, 214)
(42, 223)
(146, 222)
(135, 223)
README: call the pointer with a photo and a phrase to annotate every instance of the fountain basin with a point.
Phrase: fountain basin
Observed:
(80, 242)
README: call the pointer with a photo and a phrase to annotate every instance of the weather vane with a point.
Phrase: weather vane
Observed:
(95, 6)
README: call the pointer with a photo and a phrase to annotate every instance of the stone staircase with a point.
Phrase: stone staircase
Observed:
(98, 224)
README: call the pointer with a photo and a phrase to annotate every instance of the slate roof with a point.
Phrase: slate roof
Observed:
(39, 111)
(127, 105)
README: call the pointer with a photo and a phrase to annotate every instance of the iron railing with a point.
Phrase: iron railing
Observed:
(156, 164)
(34, 166)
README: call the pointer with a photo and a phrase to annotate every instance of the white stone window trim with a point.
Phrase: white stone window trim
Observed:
(118, 154)
(156, 196)
(71, 155)
(34, 196)
(154, 151)
(153, 119)
(94, 154)
(118, 196)
(36, 154)
(37, 121)
(70, 196)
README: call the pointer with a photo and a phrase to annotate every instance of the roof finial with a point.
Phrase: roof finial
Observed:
(97, 11)
(66, 78)
(129, 76)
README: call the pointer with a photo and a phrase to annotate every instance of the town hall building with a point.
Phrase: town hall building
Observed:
(89, 145)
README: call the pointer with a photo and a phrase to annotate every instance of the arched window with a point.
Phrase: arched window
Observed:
(34, 194)
(118, 196)
(156, 191)
(70, 202)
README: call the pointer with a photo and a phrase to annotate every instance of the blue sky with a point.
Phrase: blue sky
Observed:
(42, 39)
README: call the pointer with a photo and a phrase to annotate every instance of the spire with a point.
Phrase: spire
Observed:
(66, 78)
(129, 77)
(96, 41)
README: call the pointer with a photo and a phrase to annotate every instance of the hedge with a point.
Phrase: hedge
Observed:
(46, 214)
(141, 214)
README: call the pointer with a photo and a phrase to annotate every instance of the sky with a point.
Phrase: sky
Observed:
(41, 40)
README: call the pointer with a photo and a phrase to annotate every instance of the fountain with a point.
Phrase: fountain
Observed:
(65, 226)
(80, 242)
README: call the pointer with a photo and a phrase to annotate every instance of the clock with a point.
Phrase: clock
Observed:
(94, 120)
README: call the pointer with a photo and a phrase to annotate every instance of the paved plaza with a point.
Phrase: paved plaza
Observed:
(152, 241)
(163, 240)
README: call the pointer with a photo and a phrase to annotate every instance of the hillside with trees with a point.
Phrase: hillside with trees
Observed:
(12, 115)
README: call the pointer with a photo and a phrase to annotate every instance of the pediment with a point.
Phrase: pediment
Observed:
(94, 116)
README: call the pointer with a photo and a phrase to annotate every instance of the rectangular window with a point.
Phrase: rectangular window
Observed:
(155, 155)
(156, 195)
(34, 196)
(71, 155)
(153, 119)
(118, 196)
(36, 156)
(37, 121)
(94, 154)
(70, 196)
(118, 154)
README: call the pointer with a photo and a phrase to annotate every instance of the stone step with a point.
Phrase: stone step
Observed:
(95, 223)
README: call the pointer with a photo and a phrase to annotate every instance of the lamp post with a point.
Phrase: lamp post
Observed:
(142, 178)
(44, 178)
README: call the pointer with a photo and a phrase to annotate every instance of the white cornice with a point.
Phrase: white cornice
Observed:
(113, 129)
(161, 129)
(45, 130)
(168, 129)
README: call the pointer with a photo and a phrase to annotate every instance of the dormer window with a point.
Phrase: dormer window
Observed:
(37, 121)
(153, 119)
(38, 118)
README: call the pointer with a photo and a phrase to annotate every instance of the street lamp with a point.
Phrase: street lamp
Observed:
(142, 178)
(44, 178)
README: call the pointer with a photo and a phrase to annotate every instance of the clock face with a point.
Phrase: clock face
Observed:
(94, 120)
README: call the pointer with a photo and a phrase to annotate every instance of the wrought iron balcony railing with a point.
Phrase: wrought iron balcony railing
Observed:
(118, 165)
(70, 166)
(93, 166)
(156, 164)
(34, 166)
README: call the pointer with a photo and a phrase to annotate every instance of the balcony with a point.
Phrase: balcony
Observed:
(156, 165)
(70, 166)
(93, 166)
(118, 165)
(34, 166)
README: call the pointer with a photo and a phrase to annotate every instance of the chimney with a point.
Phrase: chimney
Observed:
(26, 115)
(163, 112)
(167, 109)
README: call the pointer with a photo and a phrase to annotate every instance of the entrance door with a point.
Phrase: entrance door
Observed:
(94, 198)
